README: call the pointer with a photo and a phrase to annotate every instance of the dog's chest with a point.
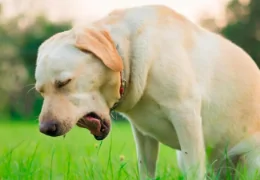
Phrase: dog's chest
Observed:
(149, 119)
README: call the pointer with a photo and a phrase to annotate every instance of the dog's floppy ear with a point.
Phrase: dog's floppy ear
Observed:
(100, 43)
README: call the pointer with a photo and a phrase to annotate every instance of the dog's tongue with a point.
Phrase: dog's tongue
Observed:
(93, 125)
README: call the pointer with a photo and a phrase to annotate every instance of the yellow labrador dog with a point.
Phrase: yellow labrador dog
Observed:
(178, 84)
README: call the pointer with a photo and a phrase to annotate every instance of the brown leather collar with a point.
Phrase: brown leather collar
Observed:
(121, 91)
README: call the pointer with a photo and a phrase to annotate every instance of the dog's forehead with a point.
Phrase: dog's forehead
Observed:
(57, 58)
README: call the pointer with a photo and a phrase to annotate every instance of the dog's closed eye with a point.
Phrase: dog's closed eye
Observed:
(60, 84)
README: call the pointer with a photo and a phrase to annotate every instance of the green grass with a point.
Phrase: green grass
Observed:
(27, 154)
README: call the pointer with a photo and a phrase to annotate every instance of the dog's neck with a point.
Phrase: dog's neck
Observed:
(124, 80)
(123, 39)
(123, 50)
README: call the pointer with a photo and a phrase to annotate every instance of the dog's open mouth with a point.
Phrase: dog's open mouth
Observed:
(97, 126)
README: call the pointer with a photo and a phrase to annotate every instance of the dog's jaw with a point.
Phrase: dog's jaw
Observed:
(99, 127)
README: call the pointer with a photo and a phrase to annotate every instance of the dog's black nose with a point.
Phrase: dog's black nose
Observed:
(49, 128)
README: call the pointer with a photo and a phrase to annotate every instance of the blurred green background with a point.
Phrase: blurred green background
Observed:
(26, 154)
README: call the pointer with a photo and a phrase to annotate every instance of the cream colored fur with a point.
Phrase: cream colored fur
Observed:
(187, 88)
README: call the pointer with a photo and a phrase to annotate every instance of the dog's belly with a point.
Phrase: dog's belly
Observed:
(149, 119)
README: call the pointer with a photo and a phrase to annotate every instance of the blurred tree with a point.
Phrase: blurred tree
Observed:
(242, 26)
(20, 38)
(32, 36)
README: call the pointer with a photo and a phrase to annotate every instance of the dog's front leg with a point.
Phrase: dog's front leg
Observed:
(147, 152)
(188, 124)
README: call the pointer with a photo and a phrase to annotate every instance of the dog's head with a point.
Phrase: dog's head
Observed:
(78, 75)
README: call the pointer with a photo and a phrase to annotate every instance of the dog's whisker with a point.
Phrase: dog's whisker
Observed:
(30, 90)
(33, 84)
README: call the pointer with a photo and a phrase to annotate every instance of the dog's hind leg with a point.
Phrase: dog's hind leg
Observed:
(249, 164)
(248, 150)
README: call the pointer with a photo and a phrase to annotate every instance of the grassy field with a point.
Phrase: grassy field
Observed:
(25, 154)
